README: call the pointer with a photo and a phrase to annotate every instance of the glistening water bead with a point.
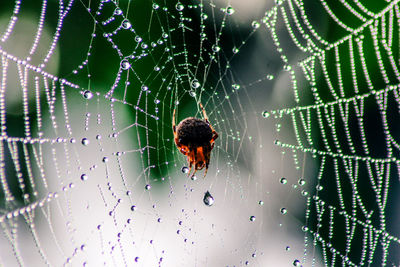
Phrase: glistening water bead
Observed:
(208, 199)
(283, 180)
(125, 64)
(252, 218)
(85, 141)
(87, 94)
(185, 169)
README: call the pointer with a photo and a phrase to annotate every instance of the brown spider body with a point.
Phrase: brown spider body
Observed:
(195, 139)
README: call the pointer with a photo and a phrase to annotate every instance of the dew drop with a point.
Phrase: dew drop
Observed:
(270, 77)
(265, 114)
(236, 86)
(179, 6)
(287, 248)
(88, 94)
(255, 24)
(185, 169)
(195, 84)
(117, 11)
(296, 263)
(125, 64)
(216, 48)
(260, 202)
(84, 177)
(133, 208)
(192, 93)
(145, 88)
(283, 180)
(147, 187)
(137, 259)
(301, 182)
(287, 67)
(204, 16)
(85, 141)
(229, 10)
(155, 6)
(208, 199)
(319, 187)
(252, 218)
(126, 24)
(283, 211)
(235, 50)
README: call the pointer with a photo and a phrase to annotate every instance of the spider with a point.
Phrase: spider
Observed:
(195, 139)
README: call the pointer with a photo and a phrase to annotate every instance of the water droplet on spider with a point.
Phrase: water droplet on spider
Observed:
(229, 10)
(208, 199)
(252, 218)
(283, 211)
(265, 114)
(255, 24)
(270, 77)
(147, 187)
(195, 84)
(215, 48)
(302, 181)
(192, 93)
(84, 177)
(117, 11)
(125, 64)
(283, 180)
(88, 94)
(179, 6)
(145, 88)
(126, 24)
(185, 169)
(236, 86)
(85, 141)
(296, 263)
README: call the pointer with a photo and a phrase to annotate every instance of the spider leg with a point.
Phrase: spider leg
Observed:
(204, 113)
(173, 123)
(205, 172)
(190, 167)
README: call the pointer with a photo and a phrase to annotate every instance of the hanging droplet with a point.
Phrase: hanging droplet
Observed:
(215, 48)
(192, 93)
(229, 10)
(117, 11)
(265, 114)
(84, 177)
(125, 64)
(235, 50)
(283, 211)
(208, 199)
(194, 177)
(204, 16)
(255, 24)
(87, 94)
(260, 202)
(85, 141)
(236, 86)
(126, 24)
(302, 182)
(252, 218)
(145, 88)
(155, 6)
(179, 6)
(147, 187)
(270, 77)
(287, 67)
(283, 180)
(287, 248)
(195, 84)
(185, 169)
(296, 263)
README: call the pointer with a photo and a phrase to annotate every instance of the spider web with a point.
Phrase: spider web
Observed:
(304, 97)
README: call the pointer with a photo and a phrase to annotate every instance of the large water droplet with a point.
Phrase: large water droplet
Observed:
(126, 24)
(185, 169)
(85, 141)
(229, 10)
(215, 48)
(125, 64)
(87, 94)
(195, 84)
(179, 6)
(208, 199)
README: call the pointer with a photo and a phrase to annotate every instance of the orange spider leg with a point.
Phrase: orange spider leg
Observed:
(215, 134)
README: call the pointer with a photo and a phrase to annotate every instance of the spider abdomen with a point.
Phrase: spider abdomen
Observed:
(193, 131)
